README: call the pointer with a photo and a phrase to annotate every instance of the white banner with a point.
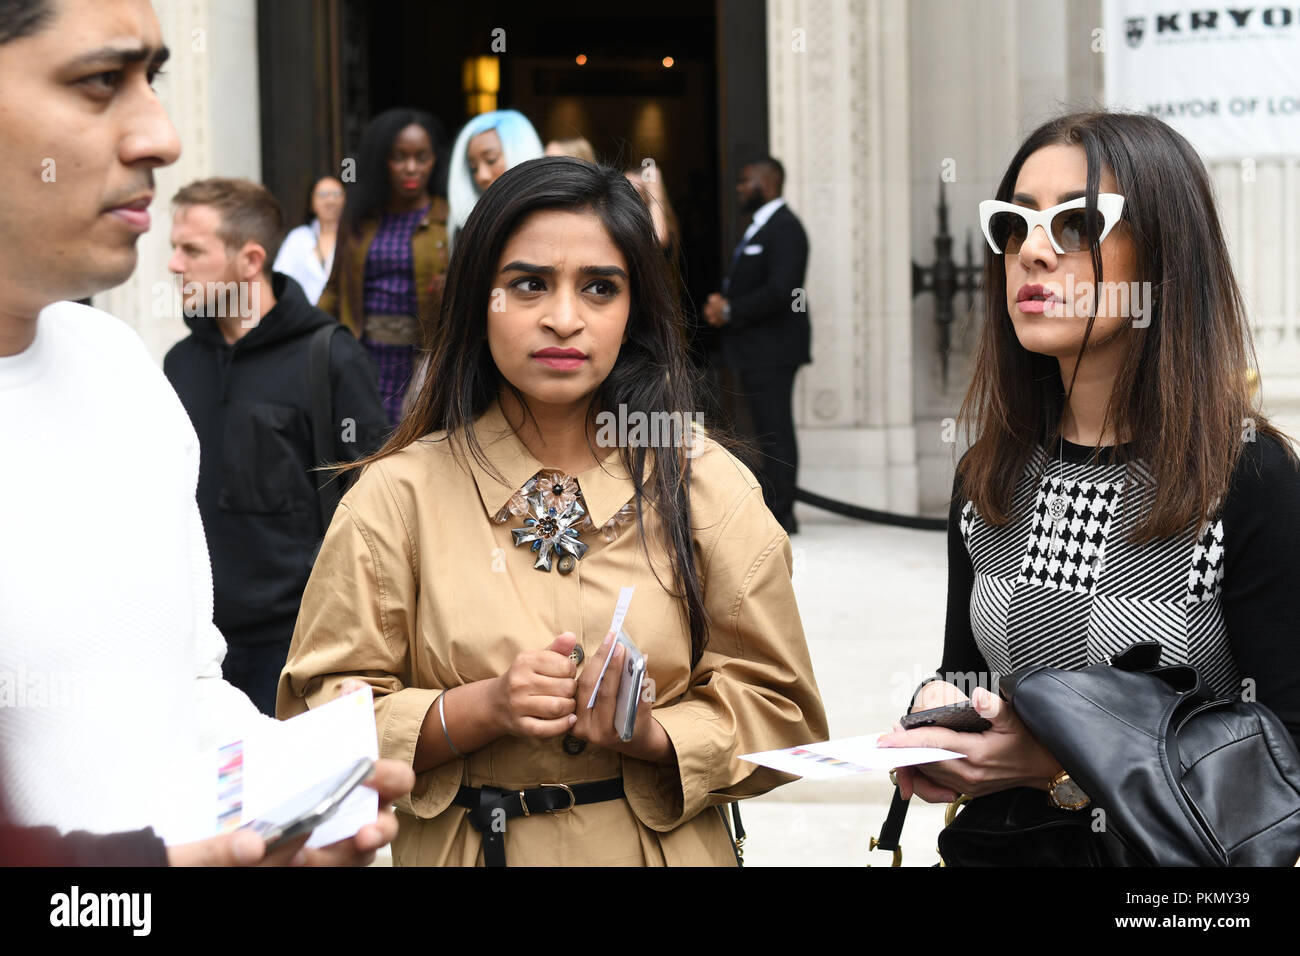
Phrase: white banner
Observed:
(1225, 76)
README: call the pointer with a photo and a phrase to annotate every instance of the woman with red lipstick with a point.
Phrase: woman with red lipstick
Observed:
(470, 575)
(391, 259)
(1122, 484)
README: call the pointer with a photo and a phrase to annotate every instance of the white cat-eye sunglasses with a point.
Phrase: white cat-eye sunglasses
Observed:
(1006, 225)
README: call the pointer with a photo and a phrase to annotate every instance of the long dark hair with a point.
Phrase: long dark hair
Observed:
(651, 374)
(1182, 393)
(368, 196)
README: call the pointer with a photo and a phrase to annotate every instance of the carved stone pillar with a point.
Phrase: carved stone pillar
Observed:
(838, 120)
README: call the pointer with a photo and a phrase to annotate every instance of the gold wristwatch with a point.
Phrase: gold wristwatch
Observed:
(1065, 793)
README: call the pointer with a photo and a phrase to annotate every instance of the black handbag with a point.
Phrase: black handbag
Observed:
(1176, 776)
(1020, 827)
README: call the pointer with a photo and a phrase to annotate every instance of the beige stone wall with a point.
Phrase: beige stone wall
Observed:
(869, 101)
(210, 92)
(1259, 202)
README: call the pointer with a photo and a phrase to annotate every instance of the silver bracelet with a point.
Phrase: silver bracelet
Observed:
(442, 715)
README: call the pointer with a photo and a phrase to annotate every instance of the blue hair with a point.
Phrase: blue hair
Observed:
(519, 143)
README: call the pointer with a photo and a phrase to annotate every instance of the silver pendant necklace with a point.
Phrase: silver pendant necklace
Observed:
(1057, 502)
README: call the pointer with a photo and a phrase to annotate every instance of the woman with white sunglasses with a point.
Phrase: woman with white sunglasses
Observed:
(1122, 484)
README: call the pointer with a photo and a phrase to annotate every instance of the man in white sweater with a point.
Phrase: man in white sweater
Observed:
(111, 695)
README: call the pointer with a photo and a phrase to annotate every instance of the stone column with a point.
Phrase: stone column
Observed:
(210, 91)
(838, 120)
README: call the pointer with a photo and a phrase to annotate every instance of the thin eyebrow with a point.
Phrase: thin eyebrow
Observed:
(1024, 199)
(121, 55)
(601, 271)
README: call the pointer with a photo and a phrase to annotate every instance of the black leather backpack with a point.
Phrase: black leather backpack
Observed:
(1180, 777)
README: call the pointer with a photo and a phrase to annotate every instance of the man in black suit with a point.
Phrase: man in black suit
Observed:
(762, 316)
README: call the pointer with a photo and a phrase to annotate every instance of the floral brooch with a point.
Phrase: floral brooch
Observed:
(555, 517)
(550, 531)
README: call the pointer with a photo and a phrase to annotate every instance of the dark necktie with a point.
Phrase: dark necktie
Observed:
(735, 257)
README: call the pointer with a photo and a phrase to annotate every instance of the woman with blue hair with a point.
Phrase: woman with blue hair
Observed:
(486, 147)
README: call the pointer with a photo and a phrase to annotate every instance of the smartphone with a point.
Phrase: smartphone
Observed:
(309, 809)
(629, 688)
(961, 717)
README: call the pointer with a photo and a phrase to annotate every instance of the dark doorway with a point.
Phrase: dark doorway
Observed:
(328, 65)
(623, 99)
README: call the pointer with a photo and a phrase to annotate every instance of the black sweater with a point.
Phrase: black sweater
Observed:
(1222, 597)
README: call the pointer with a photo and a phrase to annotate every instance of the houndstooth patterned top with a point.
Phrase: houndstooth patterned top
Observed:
(1221, 596)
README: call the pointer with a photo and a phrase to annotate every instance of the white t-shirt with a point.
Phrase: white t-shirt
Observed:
(111, 696)
(297, 259)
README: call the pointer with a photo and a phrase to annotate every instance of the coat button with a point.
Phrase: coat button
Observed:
(567, 561)
(574, 745)
(576, 655)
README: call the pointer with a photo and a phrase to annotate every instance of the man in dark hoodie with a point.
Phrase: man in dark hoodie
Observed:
(242, 375)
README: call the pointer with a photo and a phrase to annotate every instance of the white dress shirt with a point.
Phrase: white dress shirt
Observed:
(762, 215)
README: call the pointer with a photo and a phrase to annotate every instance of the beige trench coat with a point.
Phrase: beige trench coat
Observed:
(417, 589)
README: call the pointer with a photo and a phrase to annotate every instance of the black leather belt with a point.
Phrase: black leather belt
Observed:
(490, 807)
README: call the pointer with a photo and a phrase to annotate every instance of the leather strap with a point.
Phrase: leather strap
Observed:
(740, 827)
(490, 807)
(322, 428)
(738, 837)
(737, 834)
(892, 831)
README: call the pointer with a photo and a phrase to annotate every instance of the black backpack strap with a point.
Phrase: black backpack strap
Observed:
(322, 424)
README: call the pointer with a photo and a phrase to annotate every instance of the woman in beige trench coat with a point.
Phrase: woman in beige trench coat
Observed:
(471, 574)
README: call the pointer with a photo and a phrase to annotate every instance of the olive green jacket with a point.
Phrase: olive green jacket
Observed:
(430, 250)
